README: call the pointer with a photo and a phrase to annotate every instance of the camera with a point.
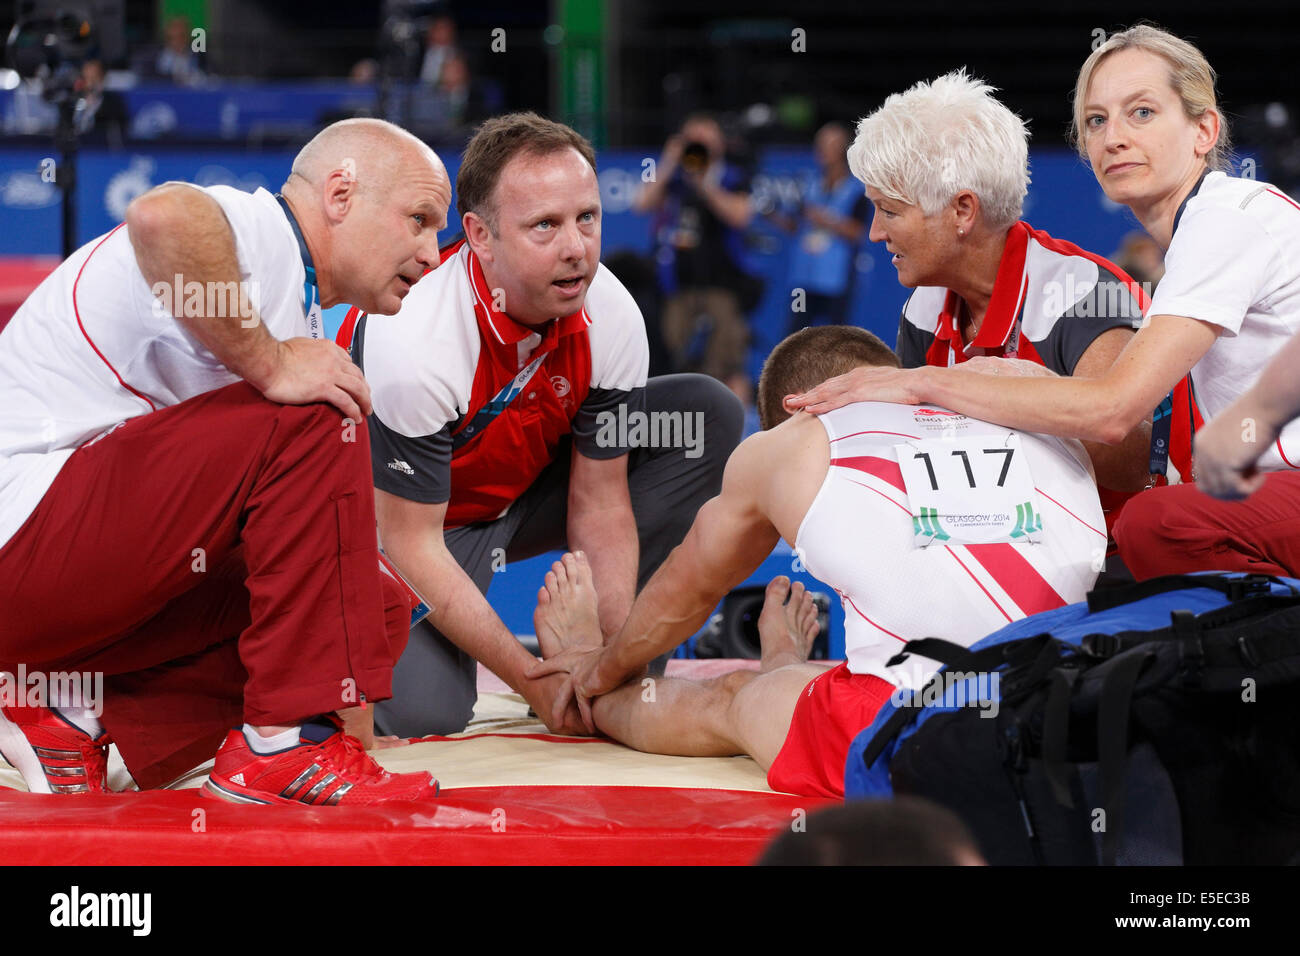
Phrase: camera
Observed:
(51, 40)
(695, 157)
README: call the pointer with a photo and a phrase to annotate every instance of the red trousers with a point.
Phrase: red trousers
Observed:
(217, 562)
(1178, 529)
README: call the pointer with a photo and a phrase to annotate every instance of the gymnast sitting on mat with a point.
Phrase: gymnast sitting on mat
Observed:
(854, 494)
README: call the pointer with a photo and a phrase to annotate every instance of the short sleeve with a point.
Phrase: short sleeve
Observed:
(270, 266)
(1110, 304)
(913, 344)
(417, 469)
(596, 431)
(1216, 267)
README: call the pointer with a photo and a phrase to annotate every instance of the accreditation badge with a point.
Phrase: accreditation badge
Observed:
(970, 490)
(420, 608)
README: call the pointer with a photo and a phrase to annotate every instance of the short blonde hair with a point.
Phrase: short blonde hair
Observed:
(1190, 75)
(927, 144)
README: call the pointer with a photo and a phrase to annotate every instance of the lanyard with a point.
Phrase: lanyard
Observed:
(950, 323)
(497, 405)
(1161, 423)
(310, 292)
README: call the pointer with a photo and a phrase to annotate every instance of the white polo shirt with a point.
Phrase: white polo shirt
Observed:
(90, 348)
(1234, 262)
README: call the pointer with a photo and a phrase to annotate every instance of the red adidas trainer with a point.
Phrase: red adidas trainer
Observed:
(326, 768)
(52, 754)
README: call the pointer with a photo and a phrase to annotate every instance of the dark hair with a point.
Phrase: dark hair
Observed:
(811, 356)
(907, 831)
(498, 141)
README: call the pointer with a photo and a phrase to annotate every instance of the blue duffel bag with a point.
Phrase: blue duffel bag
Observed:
(1155, 723)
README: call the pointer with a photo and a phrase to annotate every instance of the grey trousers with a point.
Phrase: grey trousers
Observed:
(435, 682)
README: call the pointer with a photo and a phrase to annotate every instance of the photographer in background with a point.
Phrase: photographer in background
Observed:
(830, 224)
(703, 206)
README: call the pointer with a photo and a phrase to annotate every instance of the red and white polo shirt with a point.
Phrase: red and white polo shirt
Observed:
(1050, 301)
(435, 367)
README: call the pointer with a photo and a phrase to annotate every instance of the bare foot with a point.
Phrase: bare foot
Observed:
(787, 625)
(566, 614)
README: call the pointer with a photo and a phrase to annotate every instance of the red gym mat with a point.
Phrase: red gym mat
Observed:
(552, 800)
(478, 826)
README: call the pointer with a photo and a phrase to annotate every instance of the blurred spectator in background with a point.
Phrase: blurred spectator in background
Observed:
(439, 50)
(101, 116)
(364, 72)
(28, 113)
(177, 61)
(1141, 257)
(445, 112)
(905, 831)
(703, 206)
(638, 274)
(456, 92)
(830, 224)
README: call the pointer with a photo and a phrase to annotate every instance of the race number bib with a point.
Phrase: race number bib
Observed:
(970, 490)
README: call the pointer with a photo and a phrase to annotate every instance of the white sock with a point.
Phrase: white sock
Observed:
(70, 704)
(266, 745)
(83, 718)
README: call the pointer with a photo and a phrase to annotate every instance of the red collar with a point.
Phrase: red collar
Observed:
(508, 331)
(1004, 305)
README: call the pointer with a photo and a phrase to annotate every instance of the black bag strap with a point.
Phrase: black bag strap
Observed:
(956, 657)
(896, 722)
(1049, 655)
(987, 657)
(1112, 745)
(1240, 610)
(904, 715)
(1235, 588)
(946, 653)
(1106, 645)
(1056, 726)
(1191, 652)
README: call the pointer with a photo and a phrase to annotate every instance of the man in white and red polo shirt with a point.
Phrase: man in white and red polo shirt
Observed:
(509, 394)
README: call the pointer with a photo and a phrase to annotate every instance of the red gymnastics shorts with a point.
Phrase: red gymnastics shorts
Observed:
(834, 707)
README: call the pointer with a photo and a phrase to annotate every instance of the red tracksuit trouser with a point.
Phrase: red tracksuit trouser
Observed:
(1179, 529)
(216, 560)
